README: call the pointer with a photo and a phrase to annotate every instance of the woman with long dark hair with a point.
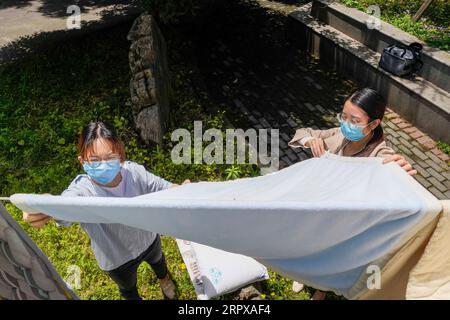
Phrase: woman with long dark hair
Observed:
(359, 135)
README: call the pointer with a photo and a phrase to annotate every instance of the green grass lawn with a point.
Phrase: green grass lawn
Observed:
(47, 97)
(433, 27)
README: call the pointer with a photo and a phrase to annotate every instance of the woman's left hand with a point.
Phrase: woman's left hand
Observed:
(402, 162)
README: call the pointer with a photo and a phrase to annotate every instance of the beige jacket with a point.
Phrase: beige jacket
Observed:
(334, 141)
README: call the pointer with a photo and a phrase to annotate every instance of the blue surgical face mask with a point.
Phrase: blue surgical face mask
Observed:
(352, 132)
(103, 172)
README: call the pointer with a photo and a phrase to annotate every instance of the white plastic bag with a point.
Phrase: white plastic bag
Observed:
(216, 272)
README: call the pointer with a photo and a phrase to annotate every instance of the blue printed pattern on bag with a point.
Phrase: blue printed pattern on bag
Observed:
(216, 275)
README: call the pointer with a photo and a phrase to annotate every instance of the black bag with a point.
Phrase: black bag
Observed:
(401, 60)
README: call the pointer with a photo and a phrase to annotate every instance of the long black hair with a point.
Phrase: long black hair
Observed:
(100, 130)
(373, 104)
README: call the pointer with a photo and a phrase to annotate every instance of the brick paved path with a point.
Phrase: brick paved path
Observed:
(263, 81)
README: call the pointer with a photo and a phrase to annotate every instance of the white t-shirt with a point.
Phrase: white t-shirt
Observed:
(115, 244)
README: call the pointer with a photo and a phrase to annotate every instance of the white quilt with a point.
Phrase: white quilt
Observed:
(320, 221)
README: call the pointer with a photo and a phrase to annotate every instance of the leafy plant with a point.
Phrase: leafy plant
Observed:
(444, 147)
(233, 173)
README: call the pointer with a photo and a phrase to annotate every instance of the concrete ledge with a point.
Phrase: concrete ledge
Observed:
(352, 22)
(419, 101)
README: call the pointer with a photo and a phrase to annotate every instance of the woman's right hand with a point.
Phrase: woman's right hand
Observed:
(317, 146)
(36, 220)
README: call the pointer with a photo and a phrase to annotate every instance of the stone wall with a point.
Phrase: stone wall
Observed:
(150, 80)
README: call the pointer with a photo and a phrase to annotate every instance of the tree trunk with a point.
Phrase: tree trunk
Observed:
(421, 10)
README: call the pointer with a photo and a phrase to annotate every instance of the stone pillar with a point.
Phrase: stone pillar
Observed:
(150, 79)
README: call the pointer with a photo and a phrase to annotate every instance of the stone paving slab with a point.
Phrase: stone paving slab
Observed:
(282, 87)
